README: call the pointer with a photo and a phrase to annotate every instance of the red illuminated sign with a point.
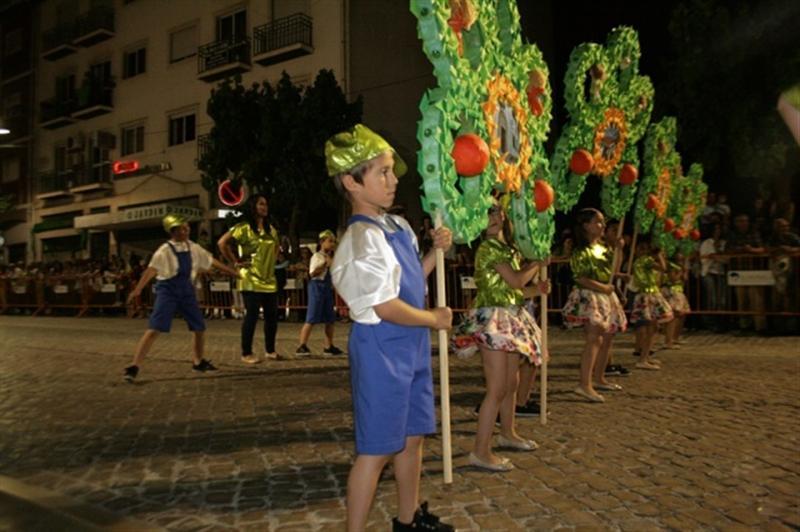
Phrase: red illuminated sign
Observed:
(125, 167)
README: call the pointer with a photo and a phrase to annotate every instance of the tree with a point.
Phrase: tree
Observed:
(273, 138)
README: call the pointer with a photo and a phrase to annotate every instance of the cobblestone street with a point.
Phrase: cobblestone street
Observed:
(710, 442)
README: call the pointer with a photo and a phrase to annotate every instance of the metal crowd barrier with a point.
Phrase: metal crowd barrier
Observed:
(750, 285)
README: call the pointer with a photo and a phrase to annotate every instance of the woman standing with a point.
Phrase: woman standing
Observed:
(258, 247)
(506, 335)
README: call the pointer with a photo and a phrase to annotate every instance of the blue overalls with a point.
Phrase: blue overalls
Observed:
(320, 300)
(390, 365)
(177, 294)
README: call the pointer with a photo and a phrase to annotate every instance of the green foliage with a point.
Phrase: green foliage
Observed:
(616, 89)
(660, 158)
(272, 138)
(480, 69)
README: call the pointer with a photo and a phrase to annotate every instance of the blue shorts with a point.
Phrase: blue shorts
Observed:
(320, 302)
(392, 386)
(168, 301)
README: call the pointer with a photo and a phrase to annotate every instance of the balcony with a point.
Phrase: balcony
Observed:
(57, 42)
(52, 185)
(203, 147)
(283, 39)
(90, 179)
(94, 26)
(94, 99)
(56, 113)
(221, 59)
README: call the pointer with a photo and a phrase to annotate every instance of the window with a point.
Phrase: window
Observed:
(182, 44)
(232, 27)
(181, 129)
(99, 150)
(10, 170)
(65, 88)
(13, 42)
(132, 139)
(133, 63)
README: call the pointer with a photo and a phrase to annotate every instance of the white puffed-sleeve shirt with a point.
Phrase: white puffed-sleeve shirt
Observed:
(365, 270)
(165, 262)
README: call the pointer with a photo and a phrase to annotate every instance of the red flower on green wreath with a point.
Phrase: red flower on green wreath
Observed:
(492, 96)
(605, 122)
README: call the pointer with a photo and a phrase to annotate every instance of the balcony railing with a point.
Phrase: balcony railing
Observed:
(57, 112)
(94, 26)
(94, 99)
(203, 146)
(220, 59)
(282, 39)
(52, 183)
(91, 178)
(57, 41)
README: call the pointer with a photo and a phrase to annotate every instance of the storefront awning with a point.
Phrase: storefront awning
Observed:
(136, 217)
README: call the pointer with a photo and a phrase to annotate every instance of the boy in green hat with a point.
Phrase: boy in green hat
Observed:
(378, 273)
(320, 296)
(175, 265)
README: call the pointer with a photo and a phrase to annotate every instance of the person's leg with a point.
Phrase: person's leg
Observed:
(507, 427)
(407, 469)
(593, 335)
(637, 346)
(742, 304)
(648, 335)
(329, 328)
(270, 304)
(757, 302)
(361, 485)
(251, 308)
(198, 346)
(669, 332)
(494, 371)
(606, 339)
(305, 333)
(144, 345)
(527, 378)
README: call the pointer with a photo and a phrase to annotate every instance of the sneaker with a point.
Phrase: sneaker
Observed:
(303, 351)
(271, 356)
(130, 373)
(529, 409)
(423, 520)
(333, 350)
(623, 371)
(203, 366)
(612, 369)
(251, 359)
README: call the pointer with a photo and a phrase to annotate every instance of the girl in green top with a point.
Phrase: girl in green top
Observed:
(505, 333)
(673, 293)
(649, 307)
(257, 246)
(593, 303)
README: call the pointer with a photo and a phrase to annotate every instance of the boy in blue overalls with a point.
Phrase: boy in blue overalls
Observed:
(175, 265)
(378, 273)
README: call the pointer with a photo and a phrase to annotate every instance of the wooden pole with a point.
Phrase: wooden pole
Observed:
(545, 350)
(444, 366)
(614, 265)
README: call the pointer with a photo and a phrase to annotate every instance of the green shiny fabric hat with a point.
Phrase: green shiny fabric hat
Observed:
(346, 150)
(327, 233)
(171, 221)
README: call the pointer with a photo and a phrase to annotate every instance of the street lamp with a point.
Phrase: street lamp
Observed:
(3, 129)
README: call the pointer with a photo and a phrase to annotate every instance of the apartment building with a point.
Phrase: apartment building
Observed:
(119, 119)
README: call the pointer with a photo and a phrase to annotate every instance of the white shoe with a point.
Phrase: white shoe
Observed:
(520, 445)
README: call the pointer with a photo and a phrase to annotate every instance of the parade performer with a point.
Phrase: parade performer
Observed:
(320, 296)
(175, 265)
(593, 302)
(649, 307)
(506, 334)
(378, 273)
(258, 247)
(673, 293)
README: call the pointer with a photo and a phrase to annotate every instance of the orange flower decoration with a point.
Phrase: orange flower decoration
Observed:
(609, 142)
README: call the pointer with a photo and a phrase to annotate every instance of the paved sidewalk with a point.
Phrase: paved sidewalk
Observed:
(710, 442)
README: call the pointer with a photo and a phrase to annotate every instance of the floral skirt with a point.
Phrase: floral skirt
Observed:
(510, 329)
(648, 308)
(595, 308)
(677, 300)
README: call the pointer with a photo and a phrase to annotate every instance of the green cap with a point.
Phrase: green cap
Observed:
(327, 233)
(346, 150)
(172, 221)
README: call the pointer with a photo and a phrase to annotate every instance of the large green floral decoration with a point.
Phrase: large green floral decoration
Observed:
(678, 231)
(484, 126)
(609, 105)
(662, 166)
